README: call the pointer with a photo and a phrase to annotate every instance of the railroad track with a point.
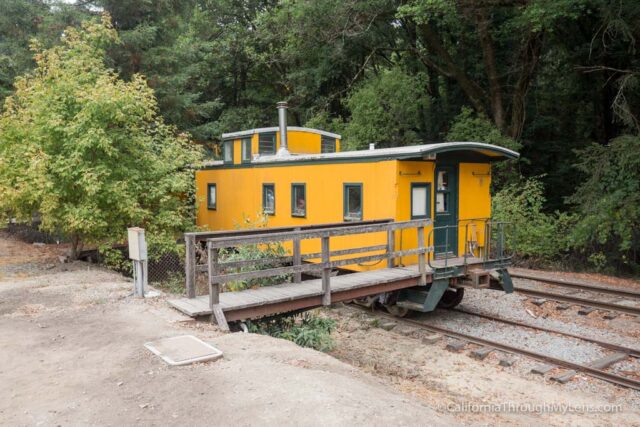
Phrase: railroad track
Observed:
(624, 293)
(592, 371)
(603, 305)
(633, 352)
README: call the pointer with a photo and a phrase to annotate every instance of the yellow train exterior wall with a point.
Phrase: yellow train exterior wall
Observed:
(386, 194)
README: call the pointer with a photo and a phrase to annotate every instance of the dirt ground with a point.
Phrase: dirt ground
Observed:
(71, 353)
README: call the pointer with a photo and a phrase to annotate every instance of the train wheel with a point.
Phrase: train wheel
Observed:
(451, 298)
(366, 301)
(396, 310)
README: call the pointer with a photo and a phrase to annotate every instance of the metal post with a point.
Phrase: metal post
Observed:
(190, 264)
(326, 272)
(421, 258)
(138, 254)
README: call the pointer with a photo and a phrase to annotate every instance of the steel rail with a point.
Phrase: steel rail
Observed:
(611, 346)
(594, 372)
(577, 285)
(579, 301)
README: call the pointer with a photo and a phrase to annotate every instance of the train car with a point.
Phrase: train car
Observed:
(299, 176)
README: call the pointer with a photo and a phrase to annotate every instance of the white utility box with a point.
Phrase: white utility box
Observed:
(137, 244)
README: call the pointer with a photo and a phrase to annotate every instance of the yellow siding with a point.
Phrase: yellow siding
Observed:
(474, 201)
(239, 196)
(386, 194)
(300, 142)
(410, 172)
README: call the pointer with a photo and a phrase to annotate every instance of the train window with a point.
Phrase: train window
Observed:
(443, 180)
(352, 200)
(246, 150)
(420, 198)
(267, 144)
(228, 152)
(212, 196)
(327, 144)
(298, 200)
(269, 199)
(442, 202)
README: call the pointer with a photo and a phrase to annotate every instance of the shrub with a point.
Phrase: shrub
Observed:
(306, 330)
(608, 204)
(532, 233)
(255, 252)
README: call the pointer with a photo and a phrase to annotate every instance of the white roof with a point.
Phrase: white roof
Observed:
(234, 135)
(411, 151)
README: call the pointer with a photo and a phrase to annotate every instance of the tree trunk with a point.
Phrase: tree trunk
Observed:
(450, 69)
(527, 61)
(75, 247)
(488, 54)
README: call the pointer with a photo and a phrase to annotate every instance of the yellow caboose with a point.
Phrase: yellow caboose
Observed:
(299, 176)
(303, 178)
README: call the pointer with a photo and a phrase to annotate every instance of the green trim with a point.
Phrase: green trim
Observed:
(245, 142)
(272, 137)
(224, 152)
(212, 206)
(264, 187)
(306, 207)
(345, 188)
(426, 185)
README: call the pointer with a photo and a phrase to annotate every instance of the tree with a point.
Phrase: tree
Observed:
(88, 151)
(385, 110)
(608, 204)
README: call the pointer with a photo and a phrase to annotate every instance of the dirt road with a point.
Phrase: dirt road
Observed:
(71, 353)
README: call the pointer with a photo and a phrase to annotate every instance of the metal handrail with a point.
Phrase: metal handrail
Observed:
(488, 225)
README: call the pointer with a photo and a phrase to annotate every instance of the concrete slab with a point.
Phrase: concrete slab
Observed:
(183, 350)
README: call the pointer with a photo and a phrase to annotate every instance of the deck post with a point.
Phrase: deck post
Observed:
(326, 272)
(421, 257)
(297, 257)
(190, 264)
(391, 244)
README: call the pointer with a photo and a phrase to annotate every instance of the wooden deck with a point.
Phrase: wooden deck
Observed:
(294, 296)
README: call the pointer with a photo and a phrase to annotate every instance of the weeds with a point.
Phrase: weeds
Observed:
(306, 330)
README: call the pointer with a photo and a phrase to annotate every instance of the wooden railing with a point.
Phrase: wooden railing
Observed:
(216, 267)
(193, 240)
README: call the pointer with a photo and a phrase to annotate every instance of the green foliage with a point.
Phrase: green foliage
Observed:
(469, 126)
(266, 251)
(531, 233)
(608, 203)
(308, 330)
(384, 110)
(88, 151)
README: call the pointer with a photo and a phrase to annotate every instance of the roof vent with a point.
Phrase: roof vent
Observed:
(283, 151)
(372, 146)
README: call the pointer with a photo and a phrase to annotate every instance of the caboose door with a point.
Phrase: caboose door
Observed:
(445, 234)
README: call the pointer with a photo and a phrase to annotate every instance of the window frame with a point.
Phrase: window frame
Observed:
(426, 185)
(245, 143)
(214, 206)
(272, 135)
(293, 202)
(324, 139)
(345, 200)
(264, 187)
(224, 151)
